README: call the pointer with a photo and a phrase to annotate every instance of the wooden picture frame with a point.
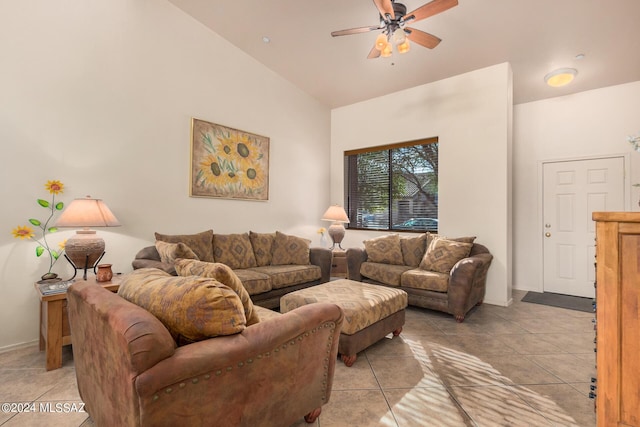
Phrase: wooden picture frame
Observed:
(228, 163)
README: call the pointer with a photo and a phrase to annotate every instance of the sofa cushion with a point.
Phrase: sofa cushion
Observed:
(413, 249)
(254, 281)
(427, 280)
(191, 308)
(234, 250)
(262, 244)
(170, 252)
(388, 274)
(223, 274)
(290, 250)
(384, 249)
(201, 244)
(289, 275)
(443, 254)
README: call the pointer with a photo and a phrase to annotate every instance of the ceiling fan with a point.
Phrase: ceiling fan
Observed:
(393, 21)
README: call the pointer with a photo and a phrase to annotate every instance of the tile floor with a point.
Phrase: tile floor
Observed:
(523, 365)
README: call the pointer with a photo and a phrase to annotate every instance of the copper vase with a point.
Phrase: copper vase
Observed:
(104, 273)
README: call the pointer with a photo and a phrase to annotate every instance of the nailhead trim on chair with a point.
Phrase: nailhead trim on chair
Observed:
(218, 372)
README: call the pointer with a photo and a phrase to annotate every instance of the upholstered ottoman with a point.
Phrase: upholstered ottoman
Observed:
(370, 311)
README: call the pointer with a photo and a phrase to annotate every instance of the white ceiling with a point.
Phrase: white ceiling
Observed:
(535, 36)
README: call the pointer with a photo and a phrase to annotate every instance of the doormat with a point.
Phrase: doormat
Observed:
(560, 300)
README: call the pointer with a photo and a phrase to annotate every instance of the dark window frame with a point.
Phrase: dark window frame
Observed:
(396, 208)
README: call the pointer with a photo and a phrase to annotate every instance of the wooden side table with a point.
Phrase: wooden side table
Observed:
(54, 322)
(339, 263)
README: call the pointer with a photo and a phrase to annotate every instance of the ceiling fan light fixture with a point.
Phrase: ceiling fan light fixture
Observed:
(560, 77)
(381, 42)
(387, 51)
(404, 47)
(399, 36)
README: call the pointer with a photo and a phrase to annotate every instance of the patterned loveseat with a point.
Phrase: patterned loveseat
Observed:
(268, 264)
(438, 273)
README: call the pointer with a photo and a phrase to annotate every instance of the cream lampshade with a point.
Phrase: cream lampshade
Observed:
(85, 248)
(338, 216)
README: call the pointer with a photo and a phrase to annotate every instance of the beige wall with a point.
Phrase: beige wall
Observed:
(99, 95)
(595, 123)
(471, 116)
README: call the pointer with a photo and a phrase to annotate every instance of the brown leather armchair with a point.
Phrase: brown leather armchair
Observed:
(130, 372)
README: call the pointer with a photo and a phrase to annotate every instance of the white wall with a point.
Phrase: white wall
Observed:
(587, 124)
(471, 116)
(99, 95)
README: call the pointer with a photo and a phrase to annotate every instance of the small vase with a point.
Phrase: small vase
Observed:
(323, 241)
(104, 273)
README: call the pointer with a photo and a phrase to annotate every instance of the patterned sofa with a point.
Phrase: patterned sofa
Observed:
(268, 264)
(194, 351)
(438, 273)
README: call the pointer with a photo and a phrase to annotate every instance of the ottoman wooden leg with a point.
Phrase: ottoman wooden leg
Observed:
(397, 331)
(313, 415)
(348, 360)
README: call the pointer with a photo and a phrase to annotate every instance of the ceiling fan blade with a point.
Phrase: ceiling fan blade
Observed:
(385, 8)
(355, 31)
(432, 8)
(375, 53)
(424, 39)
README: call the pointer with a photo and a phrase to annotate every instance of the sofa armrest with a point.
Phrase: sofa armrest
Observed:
(355, 258)
(322, 258)
(150, 258)
(250, 377)
(467, 283)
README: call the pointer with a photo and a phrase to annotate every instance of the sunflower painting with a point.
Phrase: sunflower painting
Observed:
(228, 163)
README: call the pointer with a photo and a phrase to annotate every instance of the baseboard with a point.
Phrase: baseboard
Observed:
(18, 346)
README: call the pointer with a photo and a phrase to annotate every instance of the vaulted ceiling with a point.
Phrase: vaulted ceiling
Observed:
(536, 37)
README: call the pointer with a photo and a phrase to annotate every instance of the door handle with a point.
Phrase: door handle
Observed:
(547, 234)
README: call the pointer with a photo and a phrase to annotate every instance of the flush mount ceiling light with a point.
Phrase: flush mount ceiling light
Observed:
(560, 77)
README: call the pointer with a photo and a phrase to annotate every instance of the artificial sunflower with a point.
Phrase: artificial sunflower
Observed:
(25, 232)
(54, 187)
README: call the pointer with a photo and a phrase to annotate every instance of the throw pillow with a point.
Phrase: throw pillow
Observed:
(413, 249)
(191, 308)
(169, 252)
(234, 250)
(224, 275)
(384, 249)
(442, 254)
(432, 236)
(201, 244)
(262, 244)
(290, 250)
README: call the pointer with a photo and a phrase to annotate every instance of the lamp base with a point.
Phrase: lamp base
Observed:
(336, 231)
(86, 266)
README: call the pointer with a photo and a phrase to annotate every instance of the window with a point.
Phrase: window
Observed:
(393, 187)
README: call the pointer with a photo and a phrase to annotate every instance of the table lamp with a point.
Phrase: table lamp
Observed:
(338, 216)
(85, 249)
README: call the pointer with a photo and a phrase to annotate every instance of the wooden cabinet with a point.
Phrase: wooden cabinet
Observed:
(618, 318)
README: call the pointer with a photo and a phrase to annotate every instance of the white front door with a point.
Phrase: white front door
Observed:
(572, 190)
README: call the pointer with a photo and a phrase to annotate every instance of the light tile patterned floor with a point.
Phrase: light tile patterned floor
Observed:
(523, 365)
